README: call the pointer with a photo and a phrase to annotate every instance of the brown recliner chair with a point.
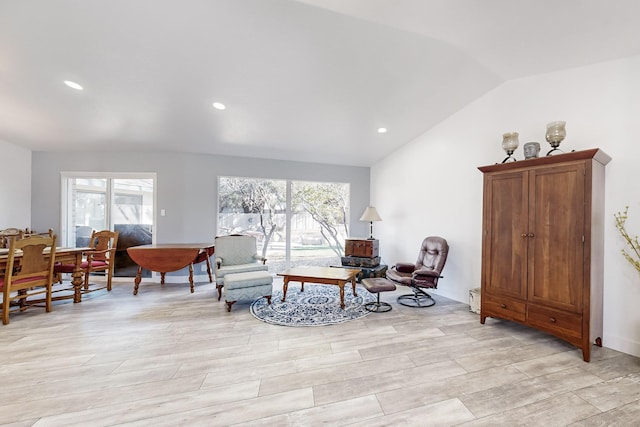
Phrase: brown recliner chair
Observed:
(423, 274)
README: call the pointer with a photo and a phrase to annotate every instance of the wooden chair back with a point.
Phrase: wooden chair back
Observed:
(30, 233)
(29, 272)
(104, 243)
(6, 234)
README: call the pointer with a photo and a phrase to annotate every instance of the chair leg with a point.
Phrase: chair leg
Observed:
(229, 304)
(22, 299)
(48, 298)
(109, 276)
(5, 308)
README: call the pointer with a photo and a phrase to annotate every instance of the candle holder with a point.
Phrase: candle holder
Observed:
(509, 144)
(556, 133)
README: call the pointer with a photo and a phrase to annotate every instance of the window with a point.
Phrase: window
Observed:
(119, 202)
(294, 222)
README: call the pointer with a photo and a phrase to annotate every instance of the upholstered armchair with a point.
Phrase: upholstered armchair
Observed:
(423, 274)
(236, 254)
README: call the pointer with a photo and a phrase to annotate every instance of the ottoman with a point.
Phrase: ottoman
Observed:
(247, 286)
(375, 286)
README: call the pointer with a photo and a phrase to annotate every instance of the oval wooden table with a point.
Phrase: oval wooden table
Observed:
(166, 257)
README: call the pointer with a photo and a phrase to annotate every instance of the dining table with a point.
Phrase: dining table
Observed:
(66, 256)
(166, 257)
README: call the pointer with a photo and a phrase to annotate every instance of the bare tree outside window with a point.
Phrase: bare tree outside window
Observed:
(328, 205)
(318, 220)
(265, 199)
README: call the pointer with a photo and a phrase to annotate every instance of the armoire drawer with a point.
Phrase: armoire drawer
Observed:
(557, 322)
(503, 308)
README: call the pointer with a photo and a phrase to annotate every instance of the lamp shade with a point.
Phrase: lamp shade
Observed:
(370, 214)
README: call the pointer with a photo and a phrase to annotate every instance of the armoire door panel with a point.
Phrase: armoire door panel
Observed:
(556, 221)
(504, 229)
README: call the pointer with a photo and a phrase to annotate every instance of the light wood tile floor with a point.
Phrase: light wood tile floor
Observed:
(168, 358)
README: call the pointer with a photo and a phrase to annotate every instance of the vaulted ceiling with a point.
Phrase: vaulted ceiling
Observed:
(308, 80)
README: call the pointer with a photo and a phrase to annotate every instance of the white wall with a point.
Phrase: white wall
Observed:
(187, 186)
(15, 186)
(432, 186)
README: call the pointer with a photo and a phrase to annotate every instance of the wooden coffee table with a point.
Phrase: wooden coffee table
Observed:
(325, 275)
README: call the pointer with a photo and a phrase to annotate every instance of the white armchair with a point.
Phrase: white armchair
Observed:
(236, 254)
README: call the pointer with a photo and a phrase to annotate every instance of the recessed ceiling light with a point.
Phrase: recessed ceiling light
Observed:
(219, 106)
(382, 130)
(73, 85)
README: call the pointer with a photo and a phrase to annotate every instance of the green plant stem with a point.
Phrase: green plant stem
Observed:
(633, 243)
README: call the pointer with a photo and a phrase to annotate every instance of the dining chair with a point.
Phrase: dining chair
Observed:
(100, 257)
(6, 234)
(19, 234)
(29, 273)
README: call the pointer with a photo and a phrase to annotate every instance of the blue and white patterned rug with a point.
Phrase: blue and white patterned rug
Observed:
(318, 305)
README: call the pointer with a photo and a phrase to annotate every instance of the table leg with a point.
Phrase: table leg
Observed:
(162, 278)
(301, 286)
(191, 277)
(76, 279)
(341, 285)
(353, 282)
(137, 280)
(284, 288)
(209, 269)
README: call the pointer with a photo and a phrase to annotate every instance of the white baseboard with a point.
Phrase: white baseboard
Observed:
(622, 344)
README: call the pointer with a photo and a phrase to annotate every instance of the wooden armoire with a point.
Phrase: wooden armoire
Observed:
(542, 245)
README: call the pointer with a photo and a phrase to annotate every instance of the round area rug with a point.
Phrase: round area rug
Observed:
(318, 305)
